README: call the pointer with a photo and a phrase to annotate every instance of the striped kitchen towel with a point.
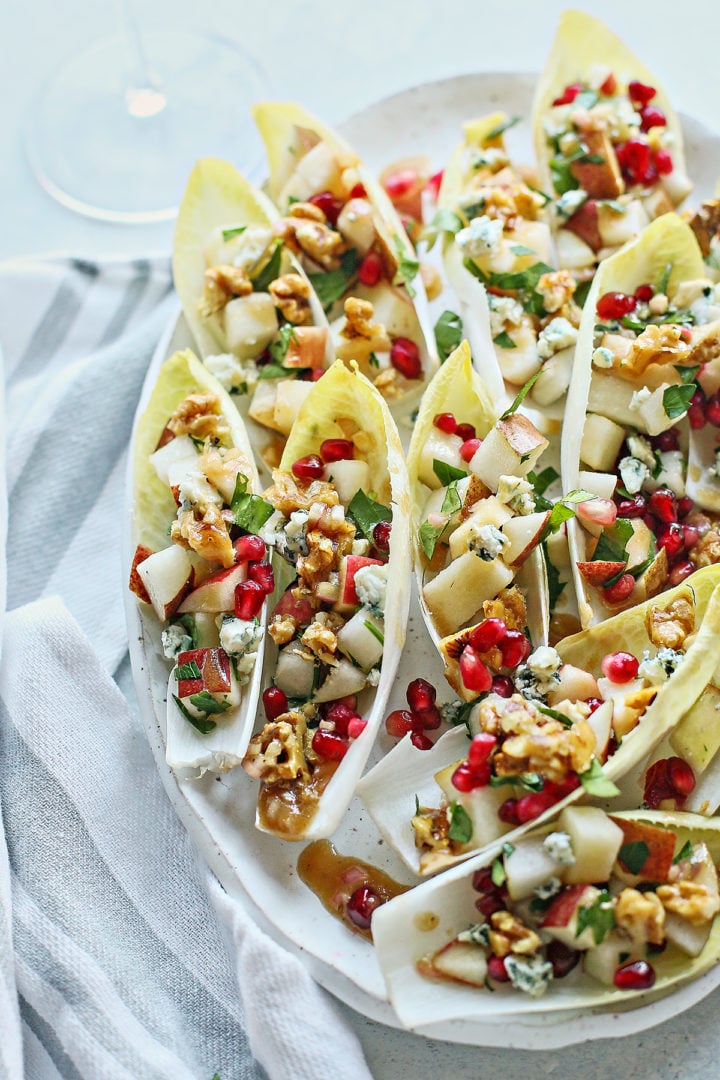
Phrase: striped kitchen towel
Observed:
(113, 959)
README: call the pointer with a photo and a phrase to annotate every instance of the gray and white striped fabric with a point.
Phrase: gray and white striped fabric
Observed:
(120, 956)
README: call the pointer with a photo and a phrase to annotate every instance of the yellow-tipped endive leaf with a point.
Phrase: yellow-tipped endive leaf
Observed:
(345, 394)
(667, 241)
(187, 750)
(582, 41)
(390, 801)
(403, 934)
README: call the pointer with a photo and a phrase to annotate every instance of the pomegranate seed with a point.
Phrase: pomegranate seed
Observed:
(316, 374)
(481, 747)
(559, 789)
(666, 440)
(533, 805)
(337, 450)
(649, 521)
(712, 410)
(685, 505)
(469, 449)
(680, 572)
(636, 161)
(381, 535)
(696, 410)
(340, 715)
(361, 905)
(620, 667)
(672, 538)
(405, 358)
(399, 183)
(248, 548)
(609, 86)
(427, 719)
(309, 467)
(569, 94)
(399, 722)
(358, 192)
(420, 740)
(597, 512)
(488, 905)
(446, 422)
(593, 703)
(639, 975)
(275, 702)
(562, 958)
(681, 776)
(371, 268)
(465, 431)
(640, 92)
(249, 599)
(420, 695)
(631, 508)
(651, 117)
(329, 745)
(262, 573)
(614, 305)
(473, 672)
(356, 727)
(515, 648)
(686, 334)
(503, 686)
(663, 505)
(433, 184)
(617, 593)
(507, 812)
(664, 162)
(487, 634)
(657, 784)
(643, 293)
(464, 778)
(482, 881)
(496, 969)
(329, 204)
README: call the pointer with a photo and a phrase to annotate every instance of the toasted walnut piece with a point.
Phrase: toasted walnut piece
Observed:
(321, 244)
(199, 415)
(432, 829)
(534, 742)
(510, 935)
(288, 494)
(510, 606)
(308, 211)
(668, 627)
(507, 197)
(282, 628)
(657, 344)
(705, 344)
(205, 531)
(221, 284)
(641, 916)
(359, 324)
(690, 900)
(291, 294)
(641, 699)
(705, 223)
(706, 551)
(556, 289)
(277, 753)
(321, 639)
(389, 383)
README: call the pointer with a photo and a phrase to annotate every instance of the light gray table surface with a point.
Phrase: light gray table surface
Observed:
(337, 58)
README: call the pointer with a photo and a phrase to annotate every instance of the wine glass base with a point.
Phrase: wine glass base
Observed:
(118, 152)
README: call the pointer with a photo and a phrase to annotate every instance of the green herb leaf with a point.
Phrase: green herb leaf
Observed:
(408, 267)
(508, 849)
(559, 514)
(207, 703)
(561, 176)
(452, 501)
(227, 234)
(676, 399)
(555, 585)
(521, 279)
(520, 249)
(612, 543)
(188, 671)
(279, 347)
(633, 856)
(522, 395)
(333, 284)
(262, 280)
(613, 204)
(586, 99)
(190, 627)
(596, 782)
(687, 374)
(448, 334)
(554, 714)
(275, 371)
(542, 481)
(461, 828)
(447, 473)
(251, 511)
(373, 360)
(664, 279)
(684, 853)
(444, 221)
(543, 194)
(366, 513)
(599, 916)
(632, 324)
(372, 629)
(497, 873)
(501, 128)
(504, 341)
(530, 781)
(202, 724)
(581, 293)
(428, 535)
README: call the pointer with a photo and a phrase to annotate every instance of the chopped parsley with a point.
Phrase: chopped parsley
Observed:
(498, 873)
(279, 347)
(664, 279)
(448, 334)
(447, 473)
(461, 828)
(596, 783)
(188, 671)
(684, 853)
(372, 629)
(504, 341)
(634, 855)
(612, 543)
(366, 513)
(599, 916)
(408, 267)
(251, 511)
(444, 221)
(501, 128)
(676, 399)
(270, 271)
(201, 723)
(555, 585)
(530, 781)
(227, 234)
(333, 284)
(522, 395)
(207, 703)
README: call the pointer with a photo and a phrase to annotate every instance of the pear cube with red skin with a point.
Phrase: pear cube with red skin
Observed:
(136, 583)
(168, 576)
(306, 347)
(349, 567)
(597, 573)
(217, 592)
(596, 841)
(300, 608)
(561, 918)
(510, 448)
(214, 667)
(584, 224)
(661, 849)
(524, 534)
(463, 962)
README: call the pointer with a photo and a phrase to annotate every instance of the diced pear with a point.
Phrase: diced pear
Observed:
(461, 588)
(601, 442)
(348, 477)
(705, 796)
(168, 576)
(561, 918)
(572, 252)
(660, 844)
(519, 364)
(534, 235)
(445, 448)
(341, 680)
(178, 451)
(355, 222)
(217, 592)
(601, 723)
(677, 186)
(463, 962)
(511, 448)
(575, 685)
(528, 866)
(250, 324)
(688, 937)
(616, 229)
(557, 549)
(595, 839)
(318, 170)
(555, 378)
(290, 397)
(697, 737)
(295, 671)
(602, 961)
(361, 644)
(602, 484)
(624, 718)
(481, 805)
(393, 308)
(488, 511)
(524, 534)
(652, 415)
(611, 396)
(262, 406)
(640, 543)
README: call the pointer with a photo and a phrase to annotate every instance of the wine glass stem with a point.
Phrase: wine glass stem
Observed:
(144, 95)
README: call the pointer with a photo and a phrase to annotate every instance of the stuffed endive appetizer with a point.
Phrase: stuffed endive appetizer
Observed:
(341, 524)
(349, 237)
(258, 324)
(475, 526)
(199, 561)
(608, 143)
(518, 311)
(572, 720)
(646, 378)
(593, 909)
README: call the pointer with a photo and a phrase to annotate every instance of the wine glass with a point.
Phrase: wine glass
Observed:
(117, 128)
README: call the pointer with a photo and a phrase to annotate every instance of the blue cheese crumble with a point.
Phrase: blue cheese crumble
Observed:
(633, 474)
(548, 889)
(559, 847)
(234, 375)
(477, 933)
(517, 493)
(569, 202)
(658, 669)
(558, 334)
(482, 236)
(537, 677)
(602, 357)
(531, 974)
(371, 587)
(487, 542)
(287, 536)
(175, 640)
(196, 491)
(504, 311)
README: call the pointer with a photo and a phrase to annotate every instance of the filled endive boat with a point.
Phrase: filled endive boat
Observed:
(518, 311)
(341, 524)
(257, 322)
(646, 379)
(591, 910)
(349, 237)
(196, 514)
(475, 529)
(609, 144)
(571, 722)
